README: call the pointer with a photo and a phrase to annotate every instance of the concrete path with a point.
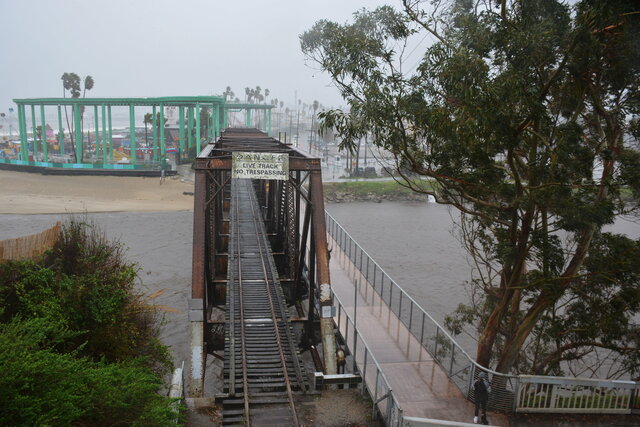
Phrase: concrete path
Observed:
(418, 382)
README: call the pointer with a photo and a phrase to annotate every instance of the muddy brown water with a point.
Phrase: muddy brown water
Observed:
(414, 242)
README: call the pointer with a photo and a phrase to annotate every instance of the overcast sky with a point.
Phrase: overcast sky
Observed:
(165, 47)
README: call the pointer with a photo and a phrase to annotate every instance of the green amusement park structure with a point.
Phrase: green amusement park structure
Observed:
(104, 150)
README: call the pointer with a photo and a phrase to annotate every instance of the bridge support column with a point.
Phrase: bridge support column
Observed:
(154, 123)
(110, 144)
(181, 123)
(198, 142)
(196, 346)
(43, 135)
(60, 131)
(132, 134)
(322, 266)
(196, 303)
(78, 132)
(34, 133)
(96, 122)
(22, 124)
(163, 148)
(105, 153)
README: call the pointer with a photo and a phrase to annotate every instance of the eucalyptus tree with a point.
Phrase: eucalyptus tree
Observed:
(521, 115)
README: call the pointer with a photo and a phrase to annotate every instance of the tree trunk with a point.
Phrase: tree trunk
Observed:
(510, 296)
(358, 159)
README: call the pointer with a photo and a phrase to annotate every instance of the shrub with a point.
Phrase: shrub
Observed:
(40, 386)
(78, 344)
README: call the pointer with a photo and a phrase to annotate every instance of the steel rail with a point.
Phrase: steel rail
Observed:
(245, 378)
(283, 316)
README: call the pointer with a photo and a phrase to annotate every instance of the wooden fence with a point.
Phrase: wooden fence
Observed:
(29, 247)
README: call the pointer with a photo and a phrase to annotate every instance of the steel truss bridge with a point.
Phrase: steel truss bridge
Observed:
(261, 277)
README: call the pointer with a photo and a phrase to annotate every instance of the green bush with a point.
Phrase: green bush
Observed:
(40, 386)
(78, 344)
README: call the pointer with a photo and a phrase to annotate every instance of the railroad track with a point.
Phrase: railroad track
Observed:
(263, 371)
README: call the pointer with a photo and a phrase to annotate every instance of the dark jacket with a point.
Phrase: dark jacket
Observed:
(481, 389)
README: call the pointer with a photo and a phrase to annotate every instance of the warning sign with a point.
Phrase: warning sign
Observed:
(260, 165)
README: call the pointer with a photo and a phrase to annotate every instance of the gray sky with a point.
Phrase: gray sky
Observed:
(165, 47)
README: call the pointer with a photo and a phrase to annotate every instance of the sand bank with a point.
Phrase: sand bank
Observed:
(30, 193)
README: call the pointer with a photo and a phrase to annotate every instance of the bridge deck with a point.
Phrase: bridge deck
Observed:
(419, 383)
(262, 367)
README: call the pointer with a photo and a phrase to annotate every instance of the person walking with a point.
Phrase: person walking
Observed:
(481, 389)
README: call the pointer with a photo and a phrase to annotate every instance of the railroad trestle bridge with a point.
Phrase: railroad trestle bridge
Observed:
(263, 289)
(259, 248)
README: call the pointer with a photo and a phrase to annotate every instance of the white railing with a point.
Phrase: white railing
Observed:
(511, 393)
(576, 395)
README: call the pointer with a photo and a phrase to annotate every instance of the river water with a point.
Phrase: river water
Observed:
(415, 243)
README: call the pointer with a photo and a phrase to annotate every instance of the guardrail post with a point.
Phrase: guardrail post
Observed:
(435, 350)
(375, 270)
(516, 394)
(375, 394)
(410, 315)
(422, 329)
(453, 350)
(355, 349)
(346, 332)
(364, 370)
(472, 370)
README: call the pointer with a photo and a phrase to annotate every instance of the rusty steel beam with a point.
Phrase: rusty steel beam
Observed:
(196, 303)
(295, 164)
(322, 268)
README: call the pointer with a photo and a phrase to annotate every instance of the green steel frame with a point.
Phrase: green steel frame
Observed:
(103, 131)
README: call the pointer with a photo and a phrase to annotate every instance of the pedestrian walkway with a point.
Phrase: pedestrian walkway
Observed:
(419, 384)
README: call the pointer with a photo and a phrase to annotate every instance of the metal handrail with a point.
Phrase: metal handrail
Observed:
(331, 220)
(457, 363)
(369, 357)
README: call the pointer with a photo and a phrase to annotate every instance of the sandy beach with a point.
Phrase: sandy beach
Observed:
(32, 193)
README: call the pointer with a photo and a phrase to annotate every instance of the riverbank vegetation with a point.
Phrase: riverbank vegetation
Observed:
(525, 115)
(372, 191)
(79, 346)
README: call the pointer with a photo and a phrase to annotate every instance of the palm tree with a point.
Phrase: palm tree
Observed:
(71, 83)
(228, 93)
(287, 112)
(148, 120)
(88, 85)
